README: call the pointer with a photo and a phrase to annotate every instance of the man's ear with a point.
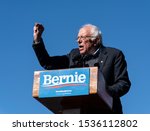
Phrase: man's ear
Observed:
(96, 41)
(93, 42)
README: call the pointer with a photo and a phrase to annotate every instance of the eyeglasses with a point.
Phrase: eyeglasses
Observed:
(84, 37)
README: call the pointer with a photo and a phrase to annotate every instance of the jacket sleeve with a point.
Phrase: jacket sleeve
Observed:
(49, 62)
(121, 80)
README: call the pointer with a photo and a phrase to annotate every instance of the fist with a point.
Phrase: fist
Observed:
(37, 32)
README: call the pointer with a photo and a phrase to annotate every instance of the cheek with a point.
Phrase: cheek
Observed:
(88, 46)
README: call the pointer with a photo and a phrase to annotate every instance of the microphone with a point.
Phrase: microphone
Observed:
(97, 64)
(86, 65)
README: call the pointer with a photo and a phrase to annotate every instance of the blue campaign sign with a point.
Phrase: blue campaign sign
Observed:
(58, 83)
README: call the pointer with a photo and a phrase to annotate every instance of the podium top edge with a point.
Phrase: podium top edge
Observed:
(36, 71)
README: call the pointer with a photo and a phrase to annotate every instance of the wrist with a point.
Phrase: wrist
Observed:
(37, 41)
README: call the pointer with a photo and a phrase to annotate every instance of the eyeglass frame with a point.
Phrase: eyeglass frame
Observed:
(84, 37)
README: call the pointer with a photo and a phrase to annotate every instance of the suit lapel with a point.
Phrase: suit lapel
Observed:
(103, 57)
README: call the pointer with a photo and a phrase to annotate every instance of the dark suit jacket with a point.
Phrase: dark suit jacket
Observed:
(111, 63)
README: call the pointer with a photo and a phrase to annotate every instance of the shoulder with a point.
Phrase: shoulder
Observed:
(74, 52)
(112, 51)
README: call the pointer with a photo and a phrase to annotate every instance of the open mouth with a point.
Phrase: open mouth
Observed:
(80, 46)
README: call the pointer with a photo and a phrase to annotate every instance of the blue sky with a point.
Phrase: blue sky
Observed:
(124, 25)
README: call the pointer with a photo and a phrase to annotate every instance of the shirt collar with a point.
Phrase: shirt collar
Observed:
(96, 51)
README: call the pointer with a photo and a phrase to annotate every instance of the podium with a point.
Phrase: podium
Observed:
(72, 91)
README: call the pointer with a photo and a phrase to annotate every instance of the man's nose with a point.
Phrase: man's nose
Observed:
(79, 40)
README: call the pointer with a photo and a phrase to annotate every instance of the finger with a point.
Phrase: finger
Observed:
(39, 27)
(36, 26)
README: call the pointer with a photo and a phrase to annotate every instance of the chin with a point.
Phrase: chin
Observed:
(82, 53)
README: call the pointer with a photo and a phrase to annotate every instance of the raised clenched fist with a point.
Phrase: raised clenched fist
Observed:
(37, 32)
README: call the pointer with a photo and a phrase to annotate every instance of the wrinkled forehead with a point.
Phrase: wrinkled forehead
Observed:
(85, 31)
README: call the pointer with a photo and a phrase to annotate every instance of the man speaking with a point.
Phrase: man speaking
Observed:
(90, 52)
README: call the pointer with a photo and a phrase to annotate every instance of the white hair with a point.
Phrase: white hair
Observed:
(95, 32)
